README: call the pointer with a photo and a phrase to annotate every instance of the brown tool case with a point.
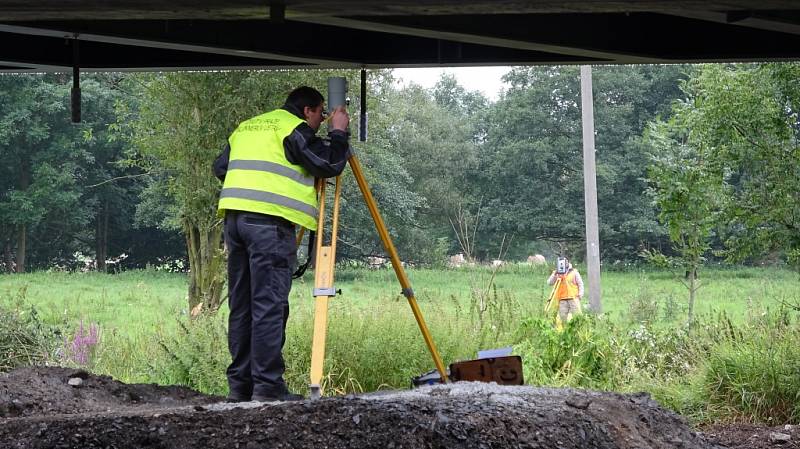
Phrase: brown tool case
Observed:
(502, 370)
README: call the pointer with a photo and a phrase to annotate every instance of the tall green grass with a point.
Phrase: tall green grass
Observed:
(737, 361)
(754, 373)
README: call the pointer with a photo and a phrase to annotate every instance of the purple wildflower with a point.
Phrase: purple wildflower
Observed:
(80, 347)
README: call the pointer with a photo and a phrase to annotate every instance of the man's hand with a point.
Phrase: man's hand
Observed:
(340, 119)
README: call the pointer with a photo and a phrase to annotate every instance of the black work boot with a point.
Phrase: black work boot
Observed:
(233, 398)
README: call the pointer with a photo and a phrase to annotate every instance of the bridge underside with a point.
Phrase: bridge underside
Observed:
(40, 35)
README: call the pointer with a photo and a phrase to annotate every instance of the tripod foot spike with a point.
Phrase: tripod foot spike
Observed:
(315, 392)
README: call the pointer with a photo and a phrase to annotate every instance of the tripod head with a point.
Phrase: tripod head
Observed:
(337, 96)
(337, 93)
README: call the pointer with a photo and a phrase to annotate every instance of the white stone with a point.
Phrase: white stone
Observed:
(777, 436)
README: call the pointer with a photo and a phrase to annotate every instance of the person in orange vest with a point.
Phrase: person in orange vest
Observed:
(569, 290)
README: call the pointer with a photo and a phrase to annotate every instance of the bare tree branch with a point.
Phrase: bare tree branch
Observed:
(117, 179)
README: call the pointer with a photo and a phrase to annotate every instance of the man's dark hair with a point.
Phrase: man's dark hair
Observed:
(304, 96)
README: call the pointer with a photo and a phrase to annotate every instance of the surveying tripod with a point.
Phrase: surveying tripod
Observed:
(550, 304)
(325, 260)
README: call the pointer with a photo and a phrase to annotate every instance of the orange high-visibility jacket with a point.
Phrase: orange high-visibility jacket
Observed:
(568, 288)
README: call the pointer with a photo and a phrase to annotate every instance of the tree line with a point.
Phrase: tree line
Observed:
(692, 162)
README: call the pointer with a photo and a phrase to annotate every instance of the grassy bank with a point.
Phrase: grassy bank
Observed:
(739, 359)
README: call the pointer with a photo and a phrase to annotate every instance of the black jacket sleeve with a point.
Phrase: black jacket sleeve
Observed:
(221, 163)
(323, 159)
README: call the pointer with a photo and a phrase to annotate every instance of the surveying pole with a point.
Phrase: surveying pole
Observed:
(324, 288)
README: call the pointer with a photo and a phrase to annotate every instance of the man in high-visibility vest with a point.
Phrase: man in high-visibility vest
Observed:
(268, 171)
(569, 291)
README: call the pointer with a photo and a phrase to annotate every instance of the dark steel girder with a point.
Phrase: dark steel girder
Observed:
(247, 44)
(43, 53)
(615, 38)
(780, 21)
(27, 10)
(198, 34)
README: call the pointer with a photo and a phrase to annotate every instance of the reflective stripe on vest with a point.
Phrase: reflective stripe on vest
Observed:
(271, 167)
(567, 289)
(267, 197)
(260, 179)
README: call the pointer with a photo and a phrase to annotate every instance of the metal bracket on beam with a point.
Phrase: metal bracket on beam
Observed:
(277, 12)
(76, 82)
(362, 122)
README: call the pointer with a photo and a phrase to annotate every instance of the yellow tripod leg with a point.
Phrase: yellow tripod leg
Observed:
(398, 267)
(323, 288)
(549, 303)
(320, 325)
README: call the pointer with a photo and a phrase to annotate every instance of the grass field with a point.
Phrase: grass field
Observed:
(138, 301)
(641, 342)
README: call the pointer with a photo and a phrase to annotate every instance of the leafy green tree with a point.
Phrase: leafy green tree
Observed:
(456, 100)
(433, 134)
(686, 189)
(181, 125)
(745, 117)
(39, 194)
(626, 99)
(110, 185)
(416, 161)
(531, 160)
(386, 173)
(530, 167)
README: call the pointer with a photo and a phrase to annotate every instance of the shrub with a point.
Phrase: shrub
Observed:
(665, 354)
(195, 356)
(24, 339)
(579, 355)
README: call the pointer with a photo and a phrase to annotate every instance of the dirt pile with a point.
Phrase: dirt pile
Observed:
(49, 408)
(48, 391)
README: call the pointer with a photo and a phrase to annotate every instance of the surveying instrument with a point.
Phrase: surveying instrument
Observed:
(325, 254)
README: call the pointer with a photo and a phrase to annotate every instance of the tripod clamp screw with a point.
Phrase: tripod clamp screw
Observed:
(329, 291)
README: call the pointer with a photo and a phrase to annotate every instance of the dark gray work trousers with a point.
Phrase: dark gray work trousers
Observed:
(261, 256)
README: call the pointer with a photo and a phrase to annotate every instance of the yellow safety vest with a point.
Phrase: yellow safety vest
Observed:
(260, 179)
(567, 289)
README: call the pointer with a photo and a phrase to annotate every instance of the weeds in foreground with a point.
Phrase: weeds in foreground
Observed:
(755, 373)
(195, 356)
(579, 355)
(24, 339)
